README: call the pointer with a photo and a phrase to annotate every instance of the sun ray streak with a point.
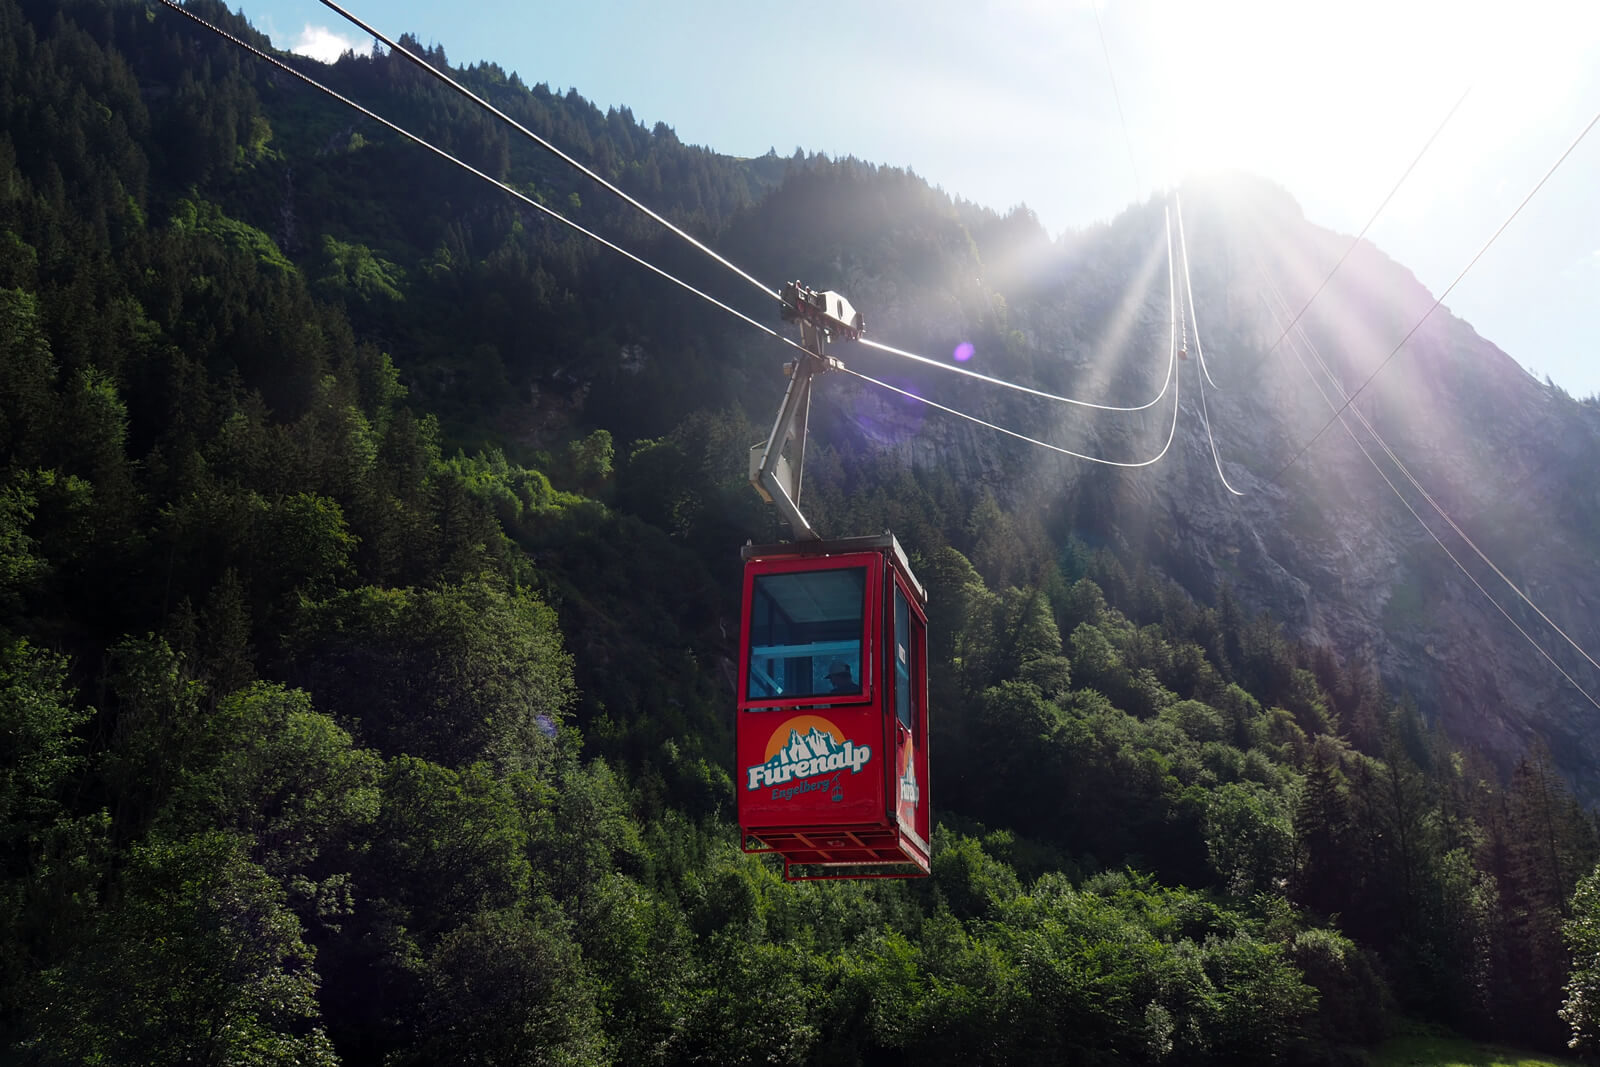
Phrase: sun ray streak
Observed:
(1298, 336)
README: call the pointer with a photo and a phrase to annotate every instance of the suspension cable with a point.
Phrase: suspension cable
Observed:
(1094, 5)
(1172, 340)
(1166, 383)
(307, 79)
(1427, 314)
(481, 102)
(1205, 420)
(952, 368)
(1013, 433)
(1183, 246)
(1205, 415)
(1339, 416)
(763, 327)
(1427, 496)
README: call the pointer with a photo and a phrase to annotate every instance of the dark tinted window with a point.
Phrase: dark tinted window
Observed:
(805, 633)
(902, 658)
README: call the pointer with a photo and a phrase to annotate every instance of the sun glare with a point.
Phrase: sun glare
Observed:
(1337, 98)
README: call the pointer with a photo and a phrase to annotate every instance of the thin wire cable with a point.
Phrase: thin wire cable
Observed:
(1172, 367)
(1339, 417)
(1183, 246)
(367, 28)
(657, 270)
(481, 102)
(1094, 5)
(952, 368)
(1356, 241)
(1205, 414)
(478, 173)
(1433, 503)
(1205, 420)
(1427, 529)
(1013, 433)
(1470, 264)
(1176, 398)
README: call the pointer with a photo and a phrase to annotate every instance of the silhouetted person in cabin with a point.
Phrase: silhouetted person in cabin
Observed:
(839, 678)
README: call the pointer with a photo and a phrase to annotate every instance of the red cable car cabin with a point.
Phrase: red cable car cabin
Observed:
(833, 709)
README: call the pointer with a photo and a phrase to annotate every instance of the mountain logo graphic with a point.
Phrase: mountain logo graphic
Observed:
(803, 746)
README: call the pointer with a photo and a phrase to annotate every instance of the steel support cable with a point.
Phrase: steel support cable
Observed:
(1166, 383)
(631, 256)
(1339, 416)
(1205, 415)
(1356, 241)
(481, 102)
(952, 368)
(1448, 290)
(764, 328)
(1427, 496)
(1183, 246)
(1094, 5)
(1176, 397)
(1013, 433)
(367, 28)
(1205, 420)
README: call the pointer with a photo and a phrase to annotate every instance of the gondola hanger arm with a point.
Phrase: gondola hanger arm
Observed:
(777, 465)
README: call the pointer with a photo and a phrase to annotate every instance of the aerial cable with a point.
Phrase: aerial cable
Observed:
(1418, 486)
(481, 102)
(1205, 420)
(1094, 5)
(763, 327)
(1013, 433)
(307, 79)
(1427, 314)
(1183, 246)
(1339, 416)
(1205, 415)
(1165, 385)
(1176, 379)
(1355, 242)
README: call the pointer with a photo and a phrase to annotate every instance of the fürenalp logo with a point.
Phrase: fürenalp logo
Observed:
(909, 793)
(818, 752)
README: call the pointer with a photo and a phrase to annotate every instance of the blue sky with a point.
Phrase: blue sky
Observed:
(1010, 101)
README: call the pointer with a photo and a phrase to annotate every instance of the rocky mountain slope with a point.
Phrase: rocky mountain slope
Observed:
(1325, 545)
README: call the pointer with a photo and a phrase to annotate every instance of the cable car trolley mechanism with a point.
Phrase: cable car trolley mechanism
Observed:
(832, 728)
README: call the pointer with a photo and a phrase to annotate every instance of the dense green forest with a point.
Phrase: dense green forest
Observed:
(364, 704)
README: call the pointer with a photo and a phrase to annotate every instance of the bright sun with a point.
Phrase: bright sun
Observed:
(1349, 91)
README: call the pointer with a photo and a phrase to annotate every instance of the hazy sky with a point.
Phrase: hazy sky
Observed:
(1011, 101)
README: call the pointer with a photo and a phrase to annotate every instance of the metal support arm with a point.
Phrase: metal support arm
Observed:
(775, 475)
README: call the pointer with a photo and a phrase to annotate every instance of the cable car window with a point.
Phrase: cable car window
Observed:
(805, 633)
(902, 658)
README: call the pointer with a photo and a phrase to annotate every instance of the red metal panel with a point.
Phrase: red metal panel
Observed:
(912, 785)
(837, 784)
(823, 763)
(804, 767)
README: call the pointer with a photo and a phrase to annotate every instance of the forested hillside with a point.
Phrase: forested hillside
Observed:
(368, 599)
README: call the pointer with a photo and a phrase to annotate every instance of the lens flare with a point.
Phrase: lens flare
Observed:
(963, 352)
(901, 420)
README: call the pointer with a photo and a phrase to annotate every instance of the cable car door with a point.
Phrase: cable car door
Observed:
(905, 668)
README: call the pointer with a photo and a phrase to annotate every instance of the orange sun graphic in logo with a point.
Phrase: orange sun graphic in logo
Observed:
(802, 725)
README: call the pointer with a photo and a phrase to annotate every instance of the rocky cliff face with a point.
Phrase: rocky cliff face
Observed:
(1325, 546)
